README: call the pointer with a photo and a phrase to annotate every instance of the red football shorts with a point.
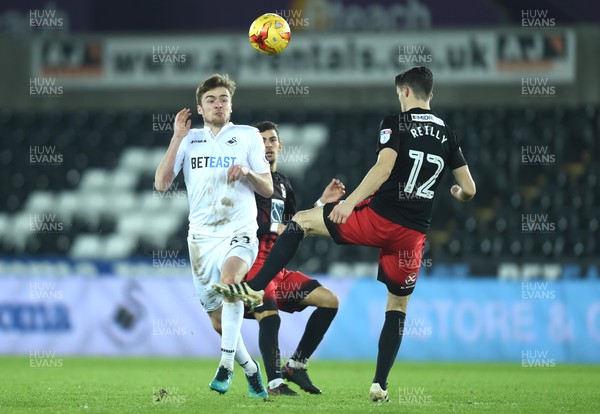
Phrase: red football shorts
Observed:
(401, 248)
(286, 290)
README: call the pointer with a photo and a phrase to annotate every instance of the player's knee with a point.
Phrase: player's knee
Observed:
(331, 300)
(301, 219)
(259, 316)
(228, 278)
(397, 303)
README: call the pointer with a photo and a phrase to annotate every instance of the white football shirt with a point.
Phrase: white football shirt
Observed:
(217, 208)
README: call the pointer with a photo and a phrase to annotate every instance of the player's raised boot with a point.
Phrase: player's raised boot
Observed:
(222, 380)
(252, 298)
(282, 389)
(299, 376)
(378, 394)
(256, 387)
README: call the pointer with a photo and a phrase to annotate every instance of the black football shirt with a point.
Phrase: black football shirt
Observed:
(279, 208)
(426, 147)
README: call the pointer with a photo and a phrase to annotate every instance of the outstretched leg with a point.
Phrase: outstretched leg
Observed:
(309, 222)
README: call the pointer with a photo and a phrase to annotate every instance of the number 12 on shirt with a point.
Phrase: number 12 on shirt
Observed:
(423, 190)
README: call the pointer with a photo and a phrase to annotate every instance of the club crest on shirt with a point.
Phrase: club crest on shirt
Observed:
(232, 141)
(384, 135)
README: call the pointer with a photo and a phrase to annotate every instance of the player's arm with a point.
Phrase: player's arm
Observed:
(371, 183)
(465, 189)
(332, 193)
(165, 174)
(262, 183)
(257, 161)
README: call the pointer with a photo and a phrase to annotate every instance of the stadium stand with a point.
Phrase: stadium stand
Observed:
(100, 188)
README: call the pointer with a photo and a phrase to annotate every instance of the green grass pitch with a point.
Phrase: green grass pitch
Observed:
(86, 385)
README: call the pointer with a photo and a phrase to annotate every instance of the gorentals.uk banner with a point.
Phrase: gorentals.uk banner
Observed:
(371, 59)
(532, 323)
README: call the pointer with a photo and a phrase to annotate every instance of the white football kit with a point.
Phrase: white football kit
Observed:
(222, 216)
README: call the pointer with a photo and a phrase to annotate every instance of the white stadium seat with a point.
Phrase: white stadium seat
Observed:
(92, 206)
(87, 246)
(4, 224)
(95, 179)
(119, 246)
(40, 201)
(123, 178)
(136, 159)
(131, 223)
(67, 202)
(121, 201)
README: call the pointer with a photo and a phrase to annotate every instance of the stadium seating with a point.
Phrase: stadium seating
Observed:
(101, 201)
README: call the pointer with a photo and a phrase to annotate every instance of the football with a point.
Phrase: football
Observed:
(269, 34)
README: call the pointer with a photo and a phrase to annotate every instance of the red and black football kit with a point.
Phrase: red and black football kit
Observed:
(288, 288)
(397, 216)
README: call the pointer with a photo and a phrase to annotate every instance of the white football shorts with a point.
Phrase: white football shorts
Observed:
(207, 256)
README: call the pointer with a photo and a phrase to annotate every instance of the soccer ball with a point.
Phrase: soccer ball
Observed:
(269, 34)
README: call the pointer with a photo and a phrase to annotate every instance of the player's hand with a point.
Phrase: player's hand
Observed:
(456, 191)
(340, 213)
(333, 192)
(280, 228)
(235, 172)
(182, 124)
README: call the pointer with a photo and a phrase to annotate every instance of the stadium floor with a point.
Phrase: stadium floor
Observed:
(115, 385)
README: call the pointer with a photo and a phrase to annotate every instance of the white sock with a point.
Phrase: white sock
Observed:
(243, 358)
(296, 364)
(275, 383)
(231, 323)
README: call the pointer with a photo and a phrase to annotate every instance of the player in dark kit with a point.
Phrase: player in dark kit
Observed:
(390, 209)
(290, 291)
